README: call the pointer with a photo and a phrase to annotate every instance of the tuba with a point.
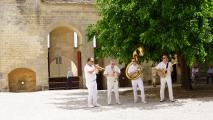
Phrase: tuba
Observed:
(138, 52)
(135, 75)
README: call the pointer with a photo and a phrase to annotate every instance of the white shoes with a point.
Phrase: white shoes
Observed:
(91, 106)
(97, 105)
(118, 103)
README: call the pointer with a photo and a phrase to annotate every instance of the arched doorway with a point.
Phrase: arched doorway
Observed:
(22, 80)
(62, 56)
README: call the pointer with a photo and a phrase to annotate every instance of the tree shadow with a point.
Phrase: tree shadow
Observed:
(78, 100)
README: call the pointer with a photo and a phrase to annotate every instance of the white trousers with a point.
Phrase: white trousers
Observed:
(163, 82)
(138, 83)
(92, 93)
(112, 83)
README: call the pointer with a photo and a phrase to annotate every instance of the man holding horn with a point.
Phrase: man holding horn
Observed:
(134, 69)
(112, 72)
(90, 71)
(164, 69)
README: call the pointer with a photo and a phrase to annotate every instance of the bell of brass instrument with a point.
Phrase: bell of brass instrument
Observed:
(135, 75)
(99, 67)
(138, 52)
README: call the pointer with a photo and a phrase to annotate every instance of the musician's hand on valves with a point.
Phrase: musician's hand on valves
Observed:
(138, 69)
(99, 68)
(115, 74)
(96, 70)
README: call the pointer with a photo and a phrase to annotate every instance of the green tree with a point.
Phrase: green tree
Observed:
(183, 27)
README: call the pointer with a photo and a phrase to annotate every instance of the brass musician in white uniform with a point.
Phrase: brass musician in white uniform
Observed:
(90, 74)
(112, 72)
(136, 82)
(164, 69)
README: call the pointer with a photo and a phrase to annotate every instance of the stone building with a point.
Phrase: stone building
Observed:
(41, 39)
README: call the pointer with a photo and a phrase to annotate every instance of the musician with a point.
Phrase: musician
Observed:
(138, 82)
(90, 74)
(69, 78)
(164, 69)
(210, 73)
(154, 75)
(112, 72)
(195, 71)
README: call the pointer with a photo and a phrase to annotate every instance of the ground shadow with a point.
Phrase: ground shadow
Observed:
(78, 100)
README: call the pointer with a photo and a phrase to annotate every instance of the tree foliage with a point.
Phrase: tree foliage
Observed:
(171, 26)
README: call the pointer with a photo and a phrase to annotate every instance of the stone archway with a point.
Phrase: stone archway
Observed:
(62, 55)
(22, 80)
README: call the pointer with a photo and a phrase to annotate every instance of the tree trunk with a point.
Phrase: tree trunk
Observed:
(183, 73)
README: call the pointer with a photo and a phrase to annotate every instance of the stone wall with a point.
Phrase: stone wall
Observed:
(25, 25)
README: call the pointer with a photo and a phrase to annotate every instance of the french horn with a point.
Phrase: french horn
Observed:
(138, 52)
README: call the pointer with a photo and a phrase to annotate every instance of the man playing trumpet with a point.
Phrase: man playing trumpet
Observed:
(90, 74)
(164, 69)
(112, 72)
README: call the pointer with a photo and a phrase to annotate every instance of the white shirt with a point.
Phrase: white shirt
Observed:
(162, 65)
(194, 71)
(90, 77)
(69, 74)
(109, 70)
(133, 68)
(210, 70)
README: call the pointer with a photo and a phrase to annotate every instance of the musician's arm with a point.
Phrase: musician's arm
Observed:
(106, 72)
(131, 71)
(159, 69)
(93, 71)
(117, 70)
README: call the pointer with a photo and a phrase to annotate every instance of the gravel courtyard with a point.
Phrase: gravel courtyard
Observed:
(72, 105)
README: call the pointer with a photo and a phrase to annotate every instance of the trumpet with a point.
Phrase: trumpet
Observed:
(99, 67)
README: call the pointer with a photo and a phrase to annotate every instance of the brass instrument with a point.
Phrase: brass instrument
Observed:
(136, 75)
(162, 72)
(138, 52)
(99, 67)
